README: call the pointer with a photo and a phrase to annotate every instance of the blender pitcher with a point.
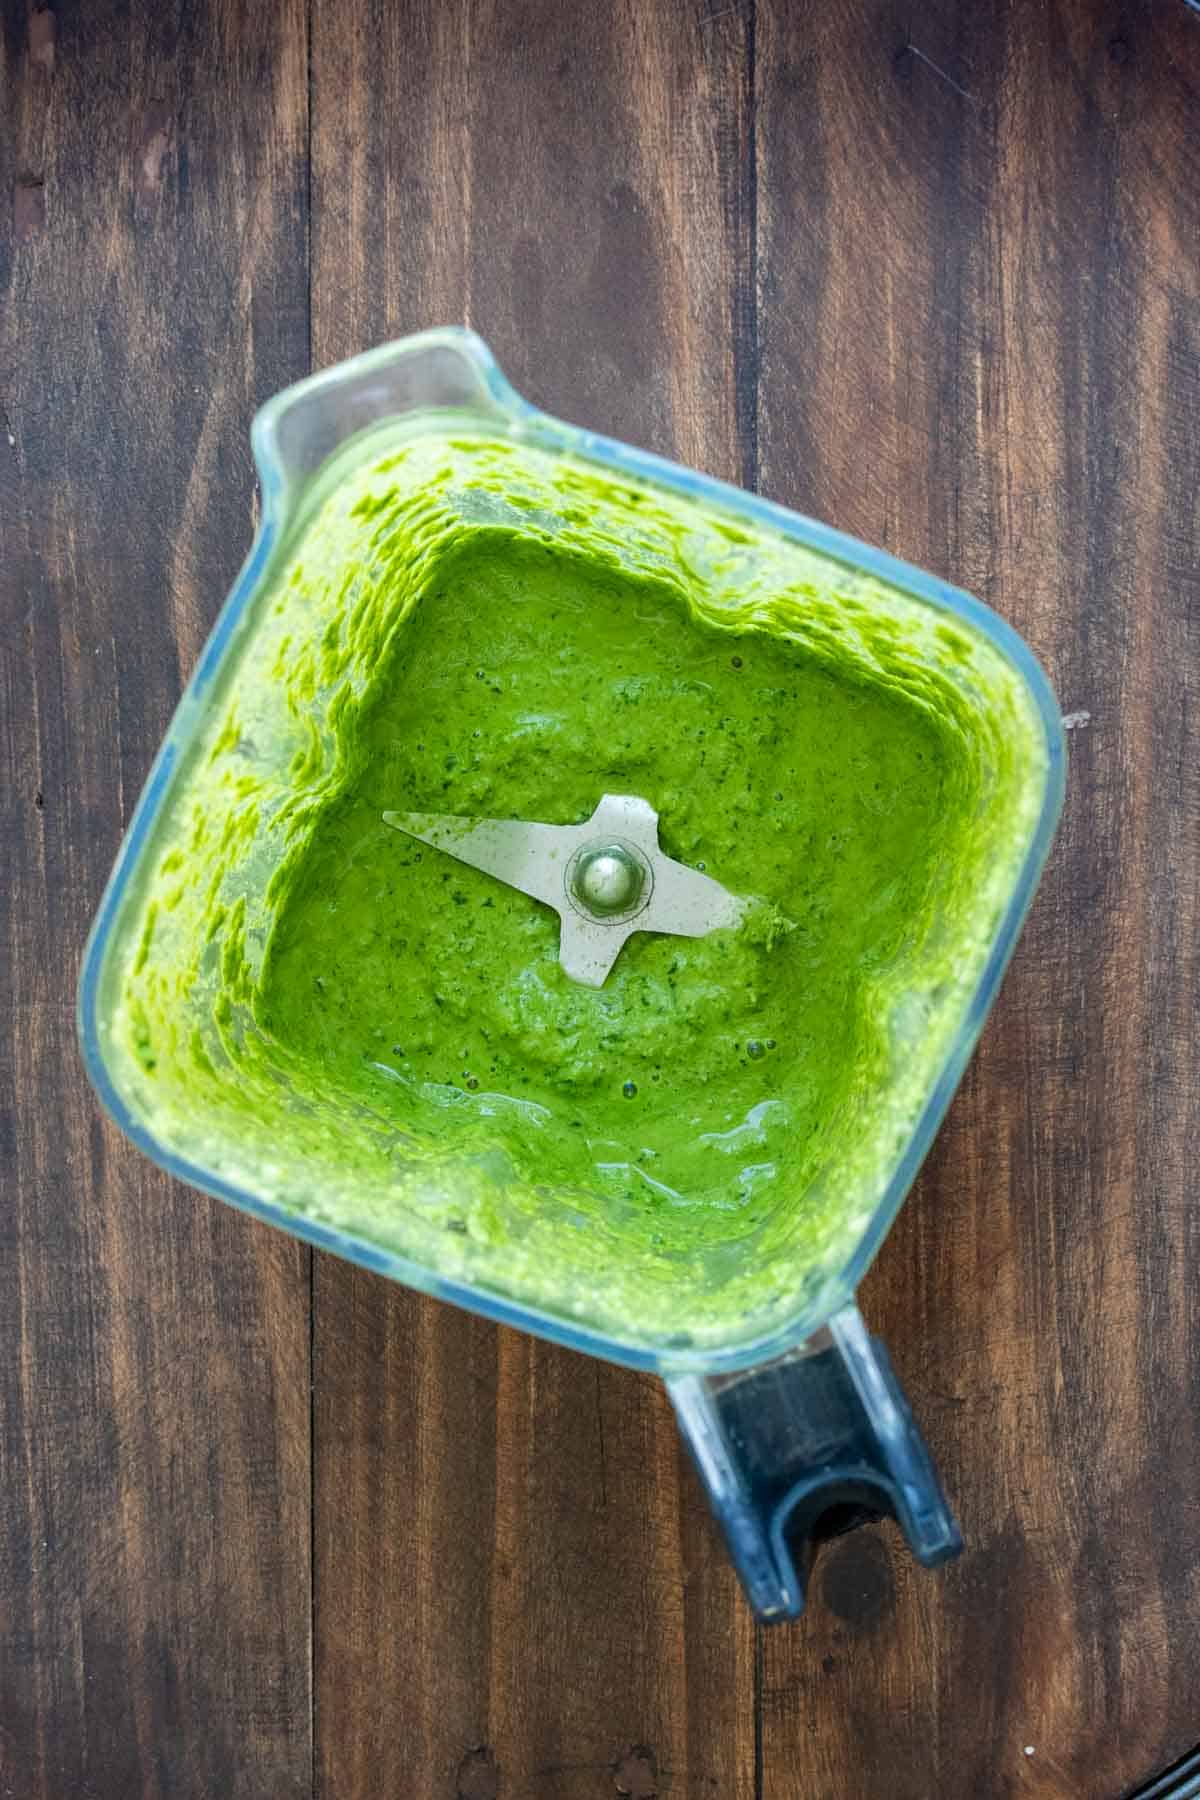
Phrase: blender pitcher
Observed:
(378, 478)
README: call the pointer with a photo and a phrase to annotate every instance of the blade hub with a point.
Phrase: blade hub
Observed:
(609, 882)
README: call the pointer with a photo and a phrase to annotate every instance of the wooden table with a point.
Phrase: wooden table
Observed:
(271, 1527)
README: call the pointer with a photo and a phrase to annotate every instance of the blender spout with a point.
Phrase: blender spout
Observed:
(804, 1447)
(295, 434)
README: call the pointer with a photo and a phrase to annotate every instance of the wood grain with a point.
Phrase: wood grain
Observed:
(929, 273)
(154, 1460)
(981, 346)
(516, 1576)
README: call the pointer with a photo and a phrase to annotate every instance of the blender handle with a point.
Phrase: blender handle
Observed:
(808, 1445)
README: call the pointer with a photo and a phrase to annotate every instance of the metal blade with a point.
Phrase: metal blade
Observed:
(587, 952)
(606, 878)
(688, 903)
(530, 858)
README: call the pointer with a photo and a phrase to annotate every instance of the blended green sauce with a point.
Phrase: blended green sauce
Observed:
(525, 685)
(336, 1015)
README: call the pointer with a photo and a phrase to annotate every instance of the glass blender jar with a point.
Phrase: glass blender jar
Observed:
(559, 873)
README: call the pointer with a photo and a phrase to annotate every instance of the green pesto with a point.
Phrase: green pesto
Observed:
(526, 684)
(334, 1014)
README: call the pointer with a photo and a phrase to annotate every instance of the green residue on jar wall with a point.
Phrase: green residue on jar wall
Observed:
(383, 1038)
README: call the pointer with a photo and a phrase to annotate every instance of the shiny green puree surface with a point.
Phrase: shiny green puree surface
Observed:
(703, 1078)
(468, 628)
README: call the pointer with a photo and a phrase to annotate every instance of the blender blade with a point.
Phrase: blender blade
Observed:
(606, 878)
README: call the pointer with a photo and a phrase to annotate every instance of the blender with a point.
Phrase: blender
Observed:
(708, 830)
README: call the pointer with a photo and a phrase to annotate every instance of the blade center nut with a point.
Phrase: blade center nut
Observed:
(607, 880)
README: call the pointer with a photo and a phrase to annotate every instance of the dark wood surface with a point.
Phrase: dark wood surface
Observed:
(270, 1527)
